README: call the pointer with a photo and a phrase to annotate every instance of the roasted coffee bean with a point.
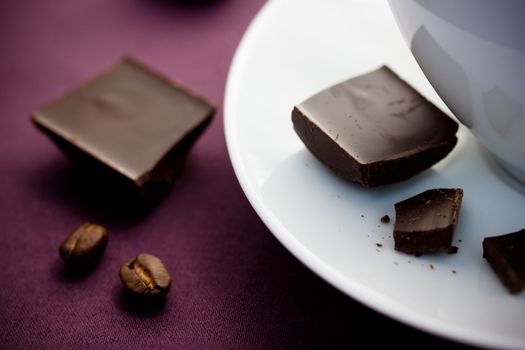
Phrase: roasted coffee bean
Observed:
(85, 245)
(145, 276)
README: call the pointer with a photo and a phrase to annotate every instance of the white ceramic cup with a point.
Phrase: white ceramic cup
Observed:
(473, 53)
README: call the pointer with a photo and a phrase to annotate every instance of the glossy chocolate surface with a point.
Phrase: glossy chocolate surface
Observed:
(129, 118)
(426, 222)
(374, 129)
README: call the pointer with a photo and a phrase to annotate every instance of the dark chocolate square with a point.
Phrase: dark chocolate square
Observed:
(374, 129)
(132, 121)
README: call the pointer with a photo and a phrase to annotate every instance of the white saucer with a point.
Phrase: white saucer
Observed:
(295, 48)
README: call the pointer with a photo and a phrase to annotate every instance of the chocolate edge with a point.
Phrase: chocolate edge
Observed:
(449, 231)
(370, 174)
(308, 132)
(500, 266)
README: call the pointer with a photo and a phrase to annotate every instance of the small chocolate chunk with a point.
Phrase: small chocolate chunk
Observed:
(145, 276)
(84, 246)
(374, 129)
(506, 256)
(385, 219)
(426, 222)
(129, 123)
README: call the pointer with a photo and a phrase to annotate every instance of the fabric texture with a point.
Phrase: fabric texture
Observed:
(234, 286)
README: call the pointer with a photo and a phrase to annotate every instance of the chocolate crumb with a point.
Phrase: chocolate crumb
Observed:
(454, 271)
(505, 255)
(385, 219)
(379, 245)
(431, 267)
(362, 216)
(459, 240)
(418, 229)
(453, 250)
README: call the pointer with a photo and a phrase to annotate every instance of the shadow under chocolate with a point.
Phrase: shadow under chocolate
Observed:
(89, 193)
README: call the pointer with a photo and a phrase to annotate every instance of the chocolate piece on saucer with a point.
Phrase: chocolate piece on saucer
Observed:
(374, 129)
(131, 122)
(506, 256)
(426, 222)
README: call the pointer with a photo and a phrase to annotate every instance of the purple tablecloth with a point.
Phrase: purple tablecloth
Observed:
(234, 285)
